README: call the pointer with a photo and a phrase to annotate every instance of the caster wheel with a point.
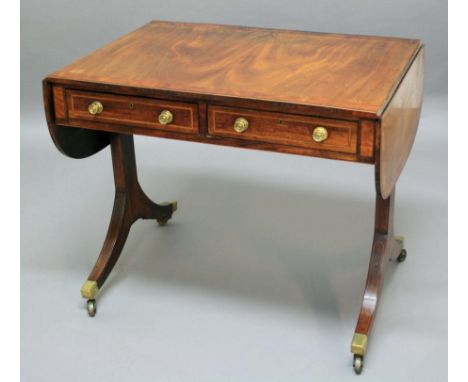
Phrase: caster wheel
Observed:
(92, 308)
(358, 363)
(162, 222)
(402, 256)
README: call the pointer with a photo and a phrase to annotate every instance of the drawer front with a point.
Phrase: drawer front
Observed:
(284, 129)
(132, 111)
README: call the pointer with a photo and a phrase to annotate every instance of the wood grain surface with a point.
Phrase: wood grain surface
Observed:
(341, 72)
(398, 127)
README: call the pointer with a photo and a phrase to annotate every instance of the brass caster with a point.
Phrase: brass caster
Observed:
(92, 308)
(400, 238)
(162, 222)
(402, 256)
(358, 363)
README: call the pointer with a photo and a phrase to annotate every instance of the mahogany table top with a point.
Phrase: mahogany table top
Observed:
(334, 71)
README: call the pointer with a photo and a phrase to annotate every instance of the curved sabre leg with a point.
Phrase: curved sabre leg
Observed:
(117, 233)
(130, 204)
(385, 247)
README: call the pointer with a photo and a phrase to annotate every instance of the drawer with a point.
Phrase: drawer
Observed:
(284, 129)
(132, 111)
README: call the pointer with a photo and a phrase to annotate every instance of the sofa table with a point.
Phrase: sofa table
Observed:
(347, 97)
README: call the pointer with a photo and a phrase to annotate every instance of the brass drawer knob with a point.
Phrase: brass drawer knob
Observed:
(319, 134)
(165, 117)
(95, 107)
(240, 125)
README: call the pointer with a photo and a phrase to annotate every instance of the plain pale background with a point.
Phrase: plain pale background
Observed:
(249, 281)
